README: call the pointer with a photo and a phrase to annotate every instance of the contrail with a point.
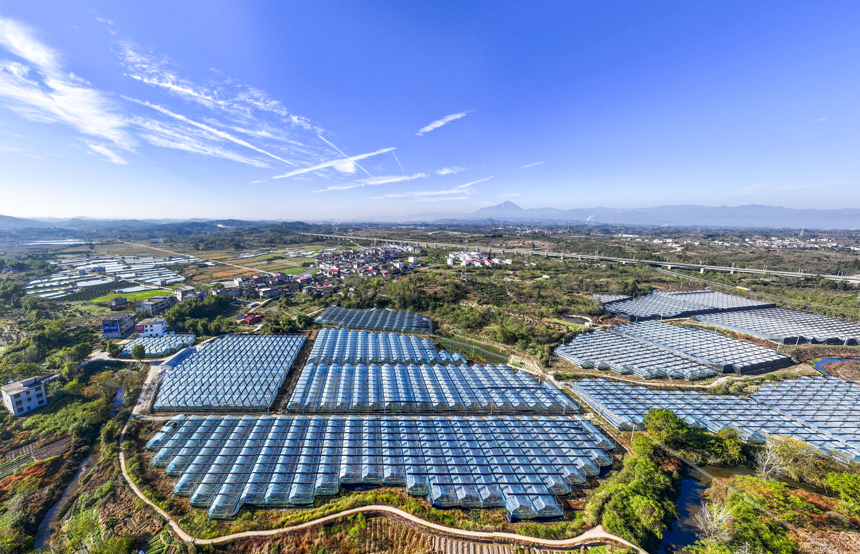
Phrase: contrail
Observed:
(345, 156)
(331, 163)
(398, 162)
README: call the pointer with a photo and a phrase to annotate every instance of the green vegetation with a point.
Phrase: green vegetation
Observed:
(724, 448)
(203, 317)
(131, 296)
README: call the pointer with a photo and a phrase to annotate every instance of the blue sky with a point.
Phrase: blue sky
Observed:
(319, 110)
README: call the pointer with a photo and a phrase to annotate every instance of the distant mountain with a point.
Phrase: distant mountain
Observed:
(750, 216)
(9, 222)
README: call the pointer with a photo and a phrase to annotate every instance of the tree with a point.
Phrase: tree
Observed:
(848, 487)
(769, 464)
(113, 349)
(304, 321)
(665, 426)
(713, 520)
(138, 352)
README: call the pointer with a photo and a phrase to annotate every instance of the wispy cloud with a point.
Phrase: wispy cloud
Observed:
(450, 170)
(211, 130)
(40, 89)
(332, 163)
(107, 152)
(530, 165)
(440, 122)
(418, 194)
(510, 194)
(374, 182)
(349, 164)
(257, 181)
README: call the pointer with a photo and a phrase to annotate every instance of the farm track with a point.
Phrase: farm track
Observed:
(595, 536)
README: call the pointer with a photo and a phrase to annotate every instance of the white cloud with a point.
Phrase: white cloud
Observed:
(211, 130)
(439, 122)
(511, 194)
(257, 181)
(450, 170)
(41, 90)
(459, 190)
(331, 163)
(374, 182)
(530, 165)
(109, 154)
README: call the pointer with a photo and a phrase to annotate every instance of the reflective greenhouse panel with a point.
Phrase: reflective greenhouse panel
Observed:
(376, 320)
(235, 372)
(519, 462)
(822, 411)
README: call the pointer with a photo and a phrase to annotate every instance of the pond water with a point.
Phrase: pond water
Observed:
(574, 319)
(819, 364)
(682, 532)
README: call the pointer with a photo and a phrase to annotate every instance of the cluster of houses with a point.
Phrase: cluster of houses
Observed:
(368, 262)
(475, 258)
(122, 324)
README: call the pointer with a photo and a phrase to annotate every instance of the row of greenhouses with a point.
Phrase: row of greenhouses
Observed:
(235, 372)
(664, 305)
(787, 326)
(711, 348)
(424, 388)
(775, 410)
(158, 347)
(345, 346)
(376, 320)
(625, 356)
(520, 463)
(830, 405)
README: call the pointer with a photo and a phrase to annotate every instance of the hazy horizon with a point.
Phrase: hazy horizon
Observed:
(315, 111)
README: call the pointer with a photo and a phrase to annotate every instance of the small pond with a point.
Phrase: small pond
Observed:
(819, 364)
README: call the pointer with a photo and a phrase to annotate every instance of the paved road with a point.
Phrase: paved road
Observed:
(573, 255)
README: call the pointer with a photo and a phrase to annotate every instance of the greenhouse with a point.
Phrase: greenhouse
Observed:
(831, 405)
(610, 298)
(517, 462)
(344, 346)
(235, 372)
(376, 320)
(706, 346)
(787, 326)
(624, 406)
(626, 355)
(392, 388)
(158, 347)
(662, 304)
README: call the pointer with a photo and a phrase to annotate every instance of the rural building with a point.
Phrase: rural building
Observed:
(157, 305)
(184, 293)
(118, 326)
(252, 319)
(267, 292)
(22, 396)
(117, 303)
(153, 327)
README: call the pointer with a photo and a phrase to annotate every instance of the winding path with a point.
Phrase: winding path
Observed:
(596, 535)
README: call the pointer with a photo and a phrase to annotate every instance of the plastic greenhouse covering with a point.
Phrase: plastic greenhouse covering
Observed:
(519, 462)
(344, 346)
(626, 355)
(158, 347)
(831, 405)
(236, 372)
(662, 304)
(787, 326)
(376, 320)
(424, 388)
(705, 346)
(775, 410)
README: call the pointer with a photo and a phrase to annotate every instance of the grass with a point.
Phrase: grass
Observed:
(131, 296)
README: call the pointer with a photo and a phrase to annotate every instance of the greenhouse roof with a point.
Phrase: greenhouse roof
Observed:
(787, 326)
(375, 320)
(626, 355)
(519, 462)
(782, 410)
(159, 346)
(344, 346)
(706, 346)
(661, 304)
(424, 388)
(235, 372)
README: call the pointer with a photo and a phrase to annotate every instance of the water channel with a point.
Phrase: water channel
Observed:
(819, 364)
(49, 523)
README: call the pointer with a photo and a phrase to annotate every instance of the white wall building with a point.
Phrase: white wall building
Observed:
(153, 327)
(22, 396)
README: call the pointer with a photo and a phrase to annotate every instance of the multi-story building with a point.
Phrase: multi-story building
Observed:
(157, 305)
(118, 326)
(152, 327)
(22, 396)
